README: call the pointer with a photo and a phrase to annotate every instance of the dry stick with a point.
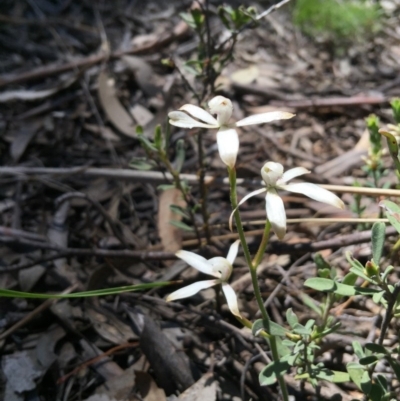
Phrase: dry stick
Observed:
(46, 304)
(100, 208)
(156, 177)
(180, 31)
(97, 359)
(274, 247)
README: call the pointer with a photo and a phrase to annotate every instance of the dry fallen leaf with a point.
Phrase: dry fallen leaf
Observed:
(23, 137)
(148, 387)
(116, 113)
(32, 95)
(246, 75)
(171, 236)
(142, 115)
(149, 82)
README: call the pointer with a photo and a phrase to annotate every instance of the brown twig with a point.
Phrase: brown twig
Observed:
(96, 359)
(156, 177)
(180, 31)
(274, 247)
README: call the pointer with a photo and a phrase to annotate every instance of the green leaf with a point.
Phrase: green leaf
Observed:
(180, 155)
(388, 270)
(359, 376)
(367, 360)
(179, 210)
(381, 380)
(83, 294)
(270, 327)
(358, 349)
(395, 103)
(374, 137)
(302, 330)
(198, 17)
(323, 267)
(392, 213)
(331, 329)
(376, 348)
(366, 291)
(147, 144)
(188, 18)
(158, 137)
(272, 371)
(310, 324)
(321, 284)
(354, 262)
(181, 225)
(395, 366)
(361, 274)
(310, 303)
(291, 317)
(378, 240)
(333, 376)
(393, 147)
(291, 360)
(140, 163)
(283, 350)
(350, 279)
(222, 13)
(377, 394)
(324, 284)
(378, 297)
(165, 187)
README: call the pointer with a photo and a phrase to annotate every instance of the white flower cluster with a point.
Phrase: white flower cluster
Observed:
(191, 116)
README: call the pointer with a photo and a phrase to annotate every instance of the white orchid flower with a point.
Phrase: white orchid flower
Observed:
(218, 267)
(274, 178)
(191, 116)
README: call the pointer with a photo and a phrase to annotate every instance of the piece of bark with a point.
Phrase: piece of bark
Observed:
(171, 367)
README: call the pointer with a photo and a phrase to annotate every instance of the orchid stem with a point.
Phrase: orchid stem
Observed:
(203, 188)
(263, 246)
(253, 272)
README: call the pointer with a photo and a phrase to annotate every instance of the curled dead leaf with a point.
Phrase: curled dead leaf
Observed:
(113, 108)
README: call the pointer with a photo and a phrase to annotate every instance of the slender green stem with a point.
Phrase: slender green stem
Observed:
(253, 273)
(203, 188)
(263, 246)
(232, 182)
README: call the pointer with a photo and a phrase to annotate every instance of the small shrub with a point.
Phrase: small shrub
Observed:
(337, 20)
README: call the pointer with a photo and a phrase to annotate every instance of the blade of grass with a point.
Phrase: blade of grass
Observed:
(94, 293)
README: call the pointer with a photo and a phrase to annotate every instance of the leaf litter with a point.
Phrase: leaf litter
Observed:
(89, 119)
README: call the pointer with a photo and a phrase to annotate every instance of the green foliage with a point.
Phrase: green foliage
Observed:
(235, 19)
(374, 136)
(337, 20)
(395, 103)
(378, 241)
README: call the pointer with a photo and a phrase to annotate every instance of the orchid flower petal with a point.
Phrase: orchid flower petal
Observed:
(221, 267)
(198, 262)
(191, 289)
(200, 113)
(271, 172)
(293, 173)
(233, 251)
(276, 213)
(228, 145)
(264, 118)
(314, 192)
(231, 299)
(183, 120)
(222, 107)
(251, 194)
